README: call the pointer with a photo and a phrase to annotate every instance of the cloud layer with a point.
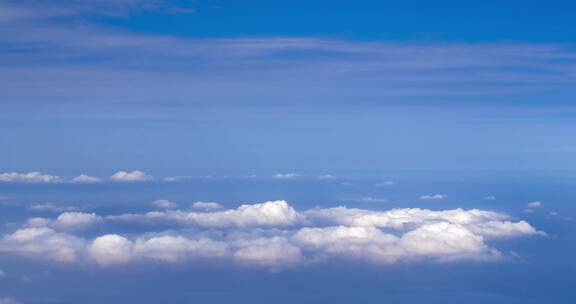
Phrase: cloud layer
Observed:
(271, 235)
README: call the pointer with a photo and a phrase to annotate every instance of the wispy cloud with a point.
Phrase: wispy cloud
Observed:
(64, 62)
(30, 177)
(433, 197)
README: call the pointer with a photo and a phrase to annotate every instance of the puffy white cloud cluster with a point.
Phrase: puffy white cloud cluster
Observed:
(272, 235)
(30, 177)
(131, 177)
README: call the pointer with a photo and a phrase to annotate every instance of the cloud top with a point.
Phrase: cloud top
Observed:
(131, 177)
(271, 235)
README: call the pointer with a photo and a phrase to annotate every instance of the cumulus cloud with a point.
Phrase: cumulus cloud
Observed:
(273, 235)
(75, 220)
(85, 179)
(433, 197)
(207, 206)
(164, 204)
(267, 214)
(43, 243)
(31, 177)
(130, 177)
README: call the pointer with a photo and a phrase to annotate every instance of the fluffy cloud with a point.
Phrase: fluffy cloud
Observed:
(134, 176)
(43, 243)
(267, 214)
(75, 220)
(433, 197)
(273, 235)
(85, 179)
(31, 177)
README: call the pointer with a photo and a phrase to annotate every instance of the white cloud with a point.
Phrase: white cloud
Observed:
(435, 197)
(534, 205)
(85, 179)
(134, 176)
(267, 214)
(490, 198)
(286, 175)
(50, 207)
(164, 204)
(272, 252)
(31, 177)
(43, 243)
(111, 249)
(273, 235)
(206, 206)
(75, 220)
(385, 184)
(327, 177)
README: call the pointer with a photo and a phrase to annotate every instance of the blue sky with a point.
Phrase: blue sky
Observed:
(320, 151)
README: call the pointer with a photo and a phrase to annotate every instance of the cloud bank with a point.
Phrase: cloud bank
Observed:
(270, 235)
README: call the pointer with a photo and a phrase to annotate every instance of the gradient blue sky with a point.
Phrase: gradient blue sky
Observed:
(368, 105)
(276, 85)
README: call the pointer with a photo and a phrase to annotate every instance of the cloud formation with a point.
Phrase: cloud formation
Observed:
(433, 197)
(270, 235)
(30, 177)
(85, 179)
(131, 177)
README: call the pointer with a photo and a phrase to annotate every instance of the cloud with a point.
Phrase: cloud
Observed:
(2, 274)
(434, 197)
(164, 204)
(534, 205)
(490, 198)
(206, 206)
(43, 243)
(267, 214)
(86, 179)
(131, 177)
(286, 175)
(327, 177)
(75, 220)
(31, 177)
(50, 207)
(272, 235)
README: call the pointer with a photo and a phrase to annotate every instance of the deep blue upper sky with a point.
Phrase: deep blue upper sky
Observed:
(275, 85)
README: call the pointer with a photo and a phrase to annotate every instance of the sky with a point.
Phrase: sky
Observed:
(287, 151)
